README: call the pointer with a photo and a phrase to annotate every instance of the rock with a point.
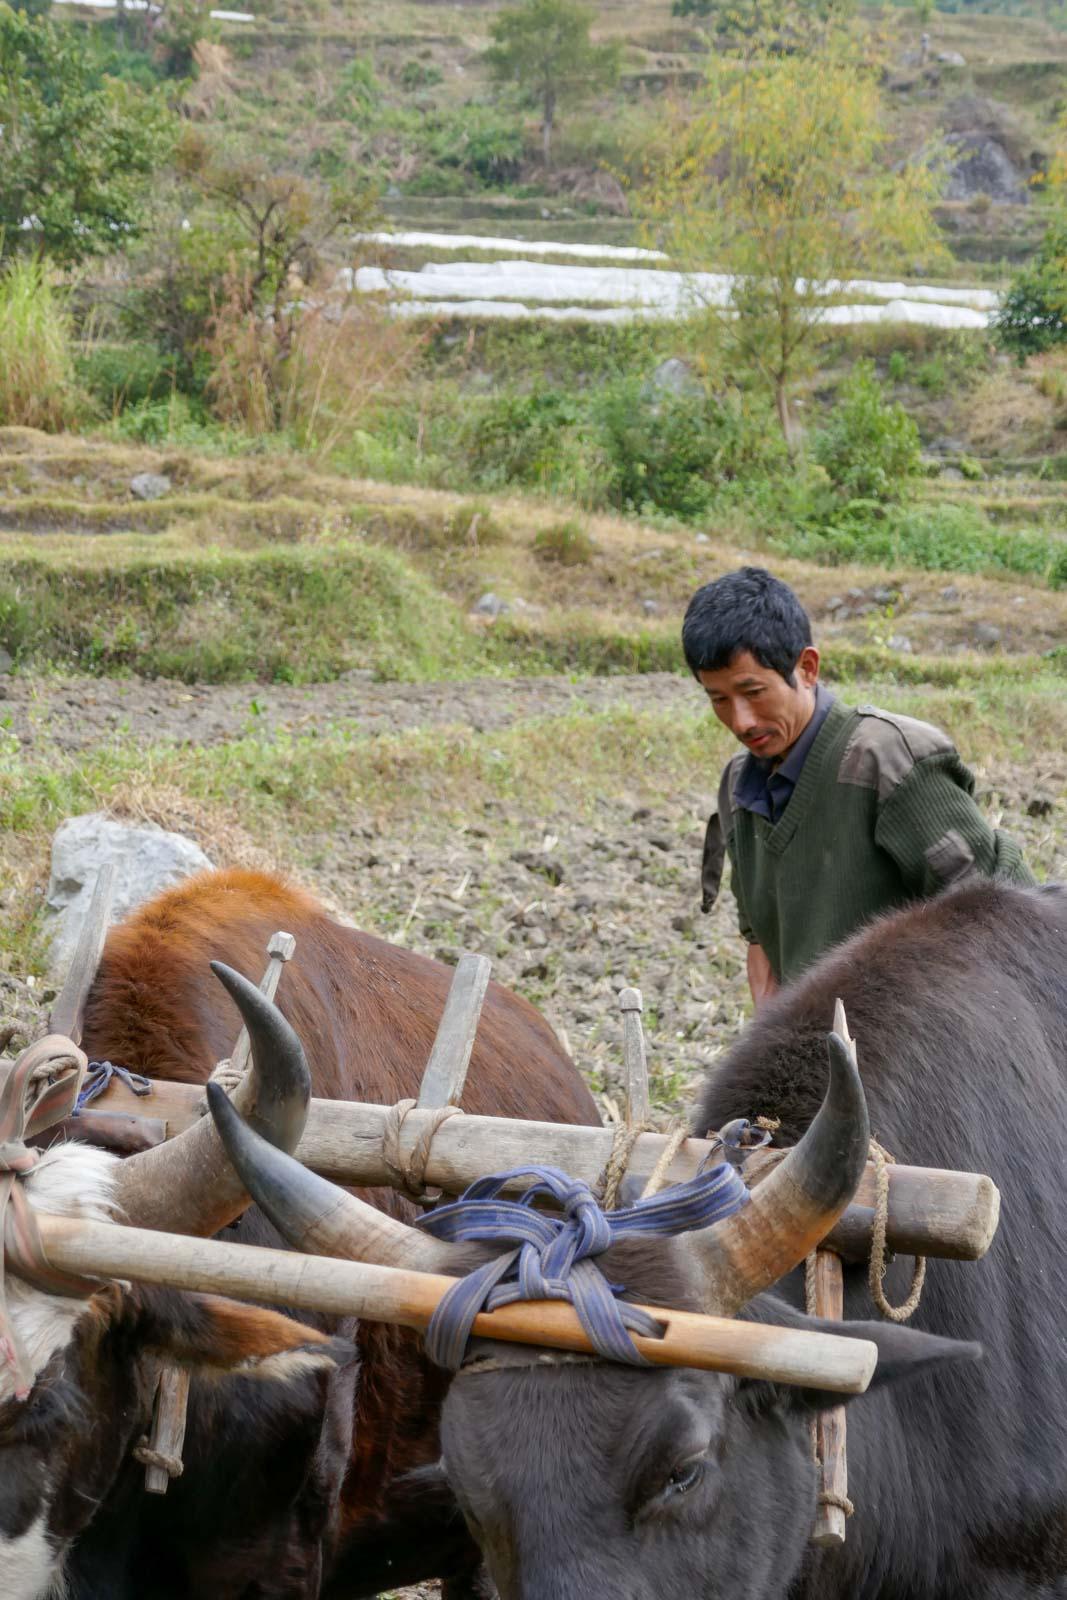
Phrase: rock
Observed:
(950, 592)
(950, 58)
(901, 644)
(835, 604)
(650, 607)
(986, 633)
(702, 538)
(490, 605)
(884, 597)
(150, 485)
(146, 859)
(676, 377)
(549, 867)
(951, 474)
(7, 661)
(984, 167)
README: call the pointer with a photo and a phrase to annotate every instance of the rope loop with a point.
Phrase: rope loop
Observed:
(551, 1257)
(408, 1172)
(173, 1466)
(877, 1266)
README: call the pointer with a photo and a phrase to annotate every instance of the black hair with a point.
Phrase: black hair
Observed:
(746, 610)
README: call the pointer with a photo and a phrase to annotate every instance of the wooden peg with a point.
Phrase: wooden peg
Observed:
(446, 1071)
(635, 1063)
(832, 1461)
(280, 949)
(168, 1426)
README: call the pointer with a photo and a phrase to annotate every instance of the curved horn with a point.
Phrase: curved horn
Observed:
(187, 1185)
(797, 1204)
(313, 1214)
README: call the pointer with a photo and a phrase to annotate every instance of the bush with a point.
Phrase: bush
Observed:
(566, 543)
(870, 447)
(37, 384)
(120, 375)
(480, 140)
(672, 452)
(1033, 314)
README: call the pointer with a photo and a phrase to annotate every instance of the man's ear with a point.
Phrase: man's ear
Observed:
(225, 1338)
(903, 1353)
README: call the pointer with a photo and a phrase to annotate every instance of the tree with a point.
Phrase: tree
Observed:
(543, 46)
(1032, 316)
(75, 154)
(778, 177)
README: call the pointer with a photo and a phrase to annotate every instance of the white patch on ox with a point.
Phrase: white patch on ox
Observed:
(71, 1180)
(27, 1565)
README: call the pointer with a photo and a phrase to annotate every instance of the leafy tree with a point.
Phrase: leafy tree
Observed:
(870, 446)
(1033, 313)
(778, 176)
(75, 153)
(543, 46)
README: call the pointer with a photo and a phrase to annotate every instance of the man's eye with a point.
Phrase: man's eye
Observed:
(685, 1477)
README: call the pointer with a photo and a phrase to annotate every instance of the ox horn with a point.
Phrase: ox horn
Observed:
(188, 1185)
(314, 1215)
(797, 1204)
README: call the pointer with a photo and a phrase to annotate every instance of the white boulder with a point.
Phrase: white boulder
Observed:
(146, 859)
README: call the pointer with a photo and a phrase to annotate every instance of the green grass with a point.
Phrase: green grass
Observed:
(290, 614)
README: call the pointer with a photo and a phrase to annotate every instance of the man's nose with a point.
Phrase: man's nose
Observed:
(742, 719)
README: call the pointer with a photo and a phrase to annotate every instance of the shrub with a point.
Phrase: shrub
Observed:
(1033, 313)
(870, 446)
(515, 438)
(119, 375)
(358, 95)
(671, 452)
(565, 543)
(37, 385)
(481, 140)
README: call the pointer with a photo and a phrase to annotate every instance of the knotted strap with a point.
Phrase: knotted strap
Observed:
(39, 1090)
(552, 1258)
(101, 1074)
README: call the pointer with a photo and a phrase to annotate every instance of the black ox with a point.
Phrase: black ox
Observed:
(582, 1481)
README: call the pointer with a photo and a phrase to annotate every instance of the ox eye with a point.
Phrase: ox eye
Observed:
(685, 1478)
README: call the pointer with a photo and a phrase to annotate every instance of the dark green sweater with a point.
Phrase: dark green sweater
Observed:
(883, 812)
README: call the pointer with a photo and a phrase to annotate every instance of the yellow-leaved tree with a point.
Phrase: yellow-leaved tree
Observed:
(776, 173)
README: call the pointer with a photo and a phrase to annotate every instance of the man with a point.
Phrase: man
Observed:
(833, 814)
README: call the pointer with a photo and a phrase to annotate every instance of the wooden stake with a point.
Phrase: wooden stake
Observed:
(68, 1012)
(830, 1426)
(392, 1294)
(829, 1529)
(634, 1061)
(446, 1070)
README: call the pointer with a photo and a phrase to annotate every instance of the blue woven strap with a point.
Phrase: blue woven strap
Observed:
(99, 1076)
(552, 1254)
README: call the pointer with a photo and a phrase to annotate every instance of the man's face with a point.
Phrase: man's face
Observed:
(758, 706)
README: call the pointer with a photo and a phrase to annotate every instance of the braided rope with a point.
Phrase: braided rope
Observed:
(825, 1497)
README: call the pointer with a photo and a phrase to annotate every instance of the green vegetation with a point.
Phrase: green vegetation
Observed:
(37, 382)
(78, 152)
(543, 47)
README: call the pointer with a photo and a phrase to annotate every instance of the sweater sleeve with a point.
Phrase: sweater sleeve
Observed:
(931, 826)
(726, 825)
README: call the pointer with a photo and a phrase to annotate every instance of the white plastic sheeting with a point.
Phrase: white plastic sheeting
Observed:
(524, 289)
(150, 5)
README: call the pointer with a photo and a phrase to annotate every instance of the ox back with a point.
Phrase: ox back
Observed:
(959, 1010)
(311, 1488)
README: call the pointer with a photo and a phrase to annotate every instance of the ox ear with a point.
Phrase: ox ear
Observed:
(224, 1338)
(903, 1353)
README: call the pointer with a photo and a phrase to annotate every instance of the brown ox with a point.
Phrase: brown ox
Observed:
(308, 1487)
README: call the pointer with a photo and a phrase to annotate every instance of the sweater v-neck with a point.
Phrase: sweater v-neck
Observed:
(777, 836)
